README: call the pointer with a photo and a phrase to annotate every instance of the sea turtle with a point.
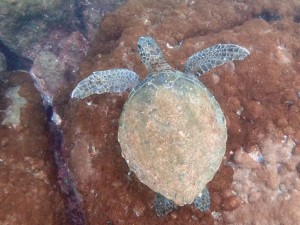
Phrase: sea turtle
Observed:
(172, 131)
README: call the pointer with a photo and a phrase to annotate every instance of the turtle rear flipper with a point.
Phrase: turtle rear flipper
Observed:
(214, 56)
(113, 81)
(162, 205)
(203, 202)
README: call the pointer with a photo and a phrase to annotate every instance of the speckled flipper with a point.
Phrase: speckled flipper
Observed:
(162, 205)
(203, 202)
(114, 81)
(216, 55)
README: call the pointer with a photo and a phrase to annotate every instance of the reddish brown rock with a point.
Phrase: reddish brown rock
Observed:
(297, 150)
(3, 65)
(257, 95)
(231, 203)
(28, 191)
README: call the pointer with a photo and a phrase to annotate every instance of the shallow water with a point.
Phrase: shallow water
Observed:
(60, 160)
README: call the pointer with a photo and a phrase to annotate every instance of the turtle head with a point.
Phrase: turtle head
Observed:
(151, 54)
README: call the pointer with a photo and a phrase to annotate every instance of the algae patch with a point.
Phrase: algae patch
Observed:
(12, 113)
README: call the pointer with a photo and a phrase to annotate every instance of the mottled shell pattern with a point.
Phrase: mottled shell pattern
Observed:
(172, 131)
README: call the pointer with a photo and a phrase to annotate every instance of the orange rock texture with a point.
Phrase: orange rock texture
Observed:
(259, 97)
(28, 190)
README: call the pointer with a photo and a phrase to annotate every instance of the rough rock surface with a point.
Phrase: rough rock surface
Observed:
(267, 182)
(49, 36)
(28, 190)
(3, 65)
(53, 69)
(259, 97)
(26, 22)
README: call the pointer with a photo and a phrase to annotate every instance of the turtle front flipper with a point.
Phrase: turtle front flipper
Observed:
(114, 81)
(162, 205)
(216, 55)
(203, 202)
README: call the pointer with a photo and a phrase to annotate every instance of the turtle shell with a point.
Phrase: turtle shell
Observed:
(173, 135)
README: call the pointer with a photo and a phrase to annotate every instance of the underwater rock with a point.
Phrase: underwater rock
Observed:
(23, 23)
(254, 95)
(264, 138)
(52, 71)
(269, 16)
(92, 11)
(48, 72)
(3, 65)
(270, 191)
(30, 29)
(296, 18)
(29, 194)
(28, 24)
(13, 60)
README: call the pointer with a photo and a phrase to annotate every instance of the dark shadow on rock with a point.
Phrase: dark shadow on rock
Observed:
(13, 60)
(269, 16)
(296, 18)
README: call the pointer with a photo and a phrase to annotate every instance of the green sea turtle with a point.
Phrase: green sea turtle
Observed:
(172, 131)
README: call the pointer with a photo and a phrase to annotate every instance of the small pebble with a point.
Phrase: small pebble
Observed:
(216, 215)
(194, 218)
(253, 196)
(239, 111)
(174, 215)
(4, 142)
(231, 203)
(282, 122)
(139, 209)
(296, 150)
